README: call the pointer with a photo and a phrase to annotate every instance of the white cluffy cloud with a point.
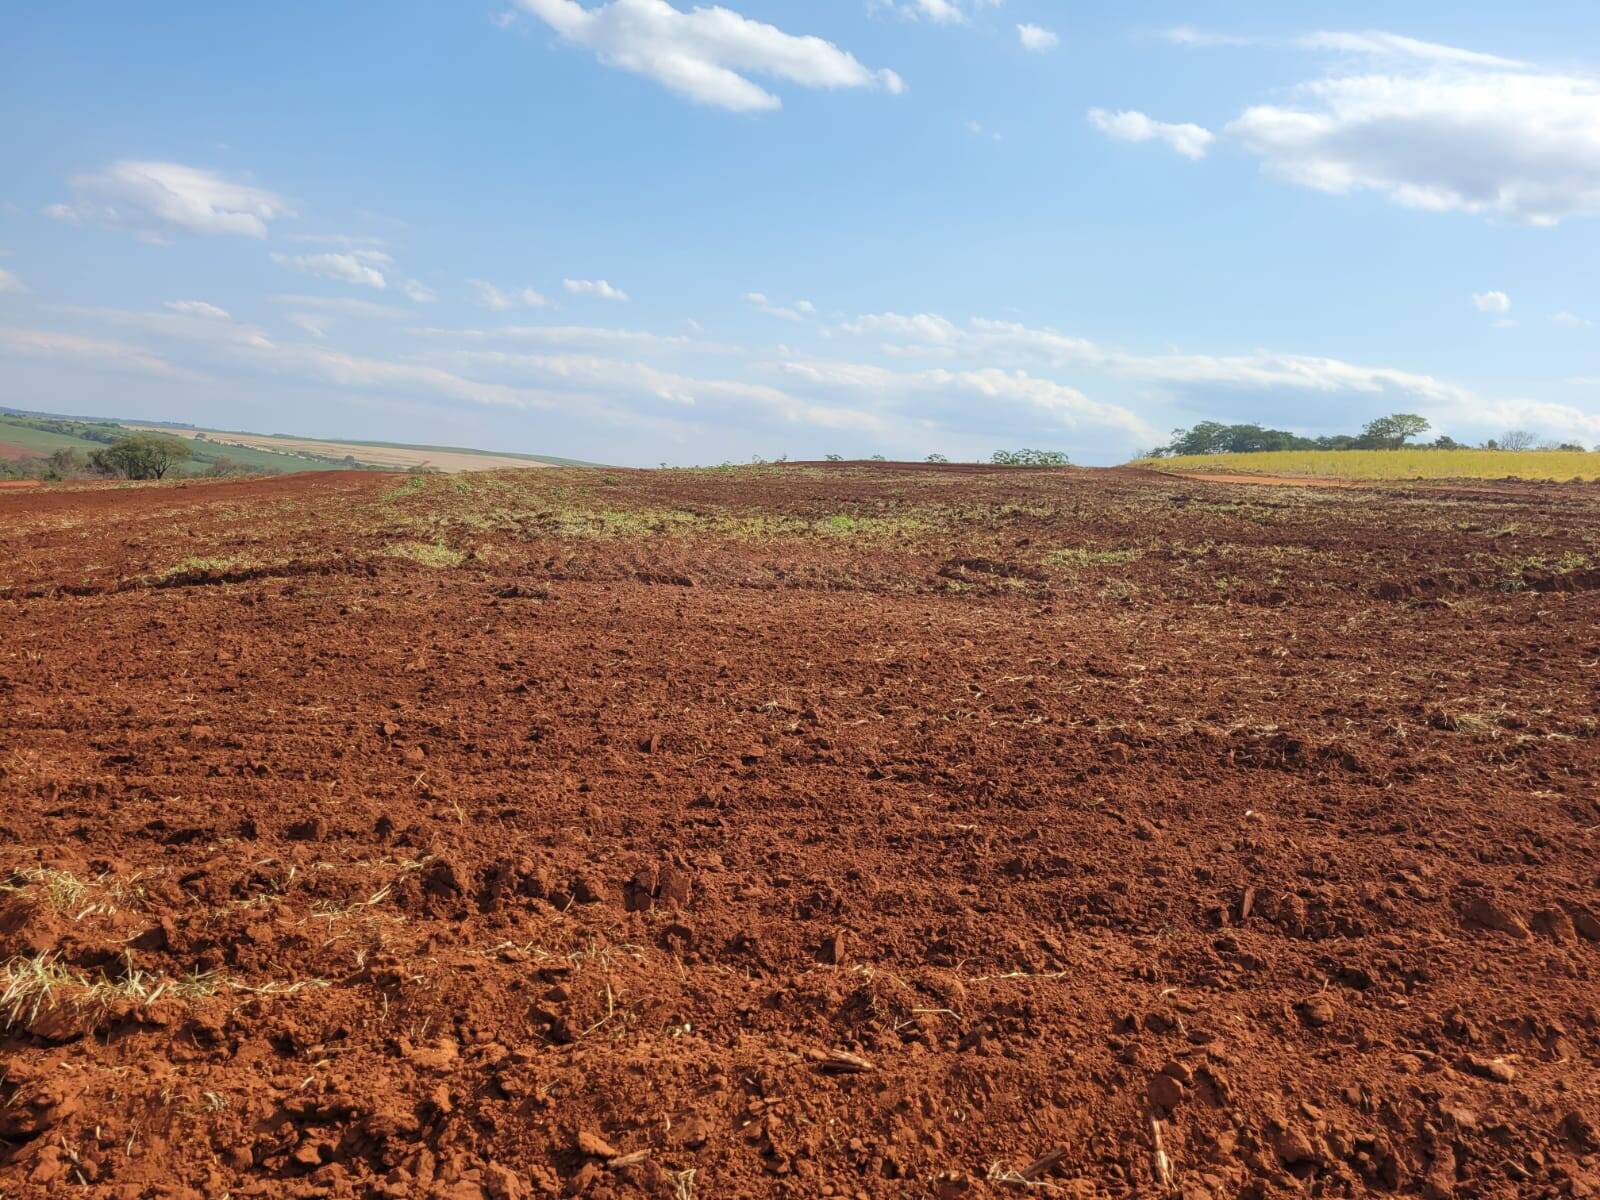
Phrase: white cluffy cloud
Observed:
(1037, 38)
(594, 287)
(706, 54)
(154, 199)
(364, 267)
(198, 308)
(1431, 127)
(500, 299)
(1492, 142)
(1495, 303)
(1191, 141)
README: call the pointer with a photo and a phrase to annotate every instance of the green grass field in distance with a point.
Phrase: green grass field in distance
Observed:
(263, 460)
(14, 431)
(41, 441)
(1555, 465)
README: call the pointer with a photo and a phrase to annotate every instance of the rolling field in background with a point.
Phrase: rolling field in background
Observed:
(393, 456)
(21, 436)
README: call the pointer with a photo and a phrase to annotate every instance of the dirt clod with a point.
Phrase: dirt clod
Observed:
(1487, 913)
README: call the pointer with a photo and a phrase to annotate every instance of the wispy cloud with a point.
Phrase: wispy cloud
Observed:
(638, 341)
(88, 351)
(9, 283)
(800, 310)
(1377, 44)
(1016, 344)
(938, 12)
(198, 308)
(347, 306)
(363, 267)
(1183, 35)
(501, 299)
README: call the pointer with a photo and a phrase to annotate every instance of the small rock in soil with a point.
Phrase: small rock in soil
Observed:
(1165, 1091)
(593, 1145)
(1317, 1011)
(1496, 1069)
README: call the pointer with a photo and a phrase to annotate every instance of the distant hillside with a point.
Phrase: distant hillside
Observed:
(41, 433)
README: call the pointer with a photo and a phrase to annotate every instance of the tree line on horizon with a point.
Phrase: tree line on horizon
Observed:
(1393, 432)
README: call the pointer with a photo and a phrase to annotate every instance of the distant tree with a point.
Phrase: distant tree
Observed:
(1213, 437)
(1028, 458)
(67, 463)
(1570, 446)
(1445, 442)
(222, 465)
(141, 456)
(833, 457)
(1515, 439)
(937, 458)
(878, 458)
(1393, 431)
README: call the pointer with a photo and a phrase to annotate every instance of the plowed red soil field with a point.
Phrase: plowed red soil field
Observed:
(799, 831)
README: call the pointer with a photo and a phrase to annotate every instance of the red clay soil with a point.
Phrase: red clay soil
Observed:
(16, 453)
(799, 832)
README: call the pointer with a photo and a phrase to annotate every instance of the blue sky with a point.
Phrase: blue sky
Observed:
(639, 232)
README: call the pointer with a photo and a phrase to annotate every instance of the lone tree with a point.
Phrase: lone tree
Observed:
(1393, 431)
(141, 456)
(1517, 439)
